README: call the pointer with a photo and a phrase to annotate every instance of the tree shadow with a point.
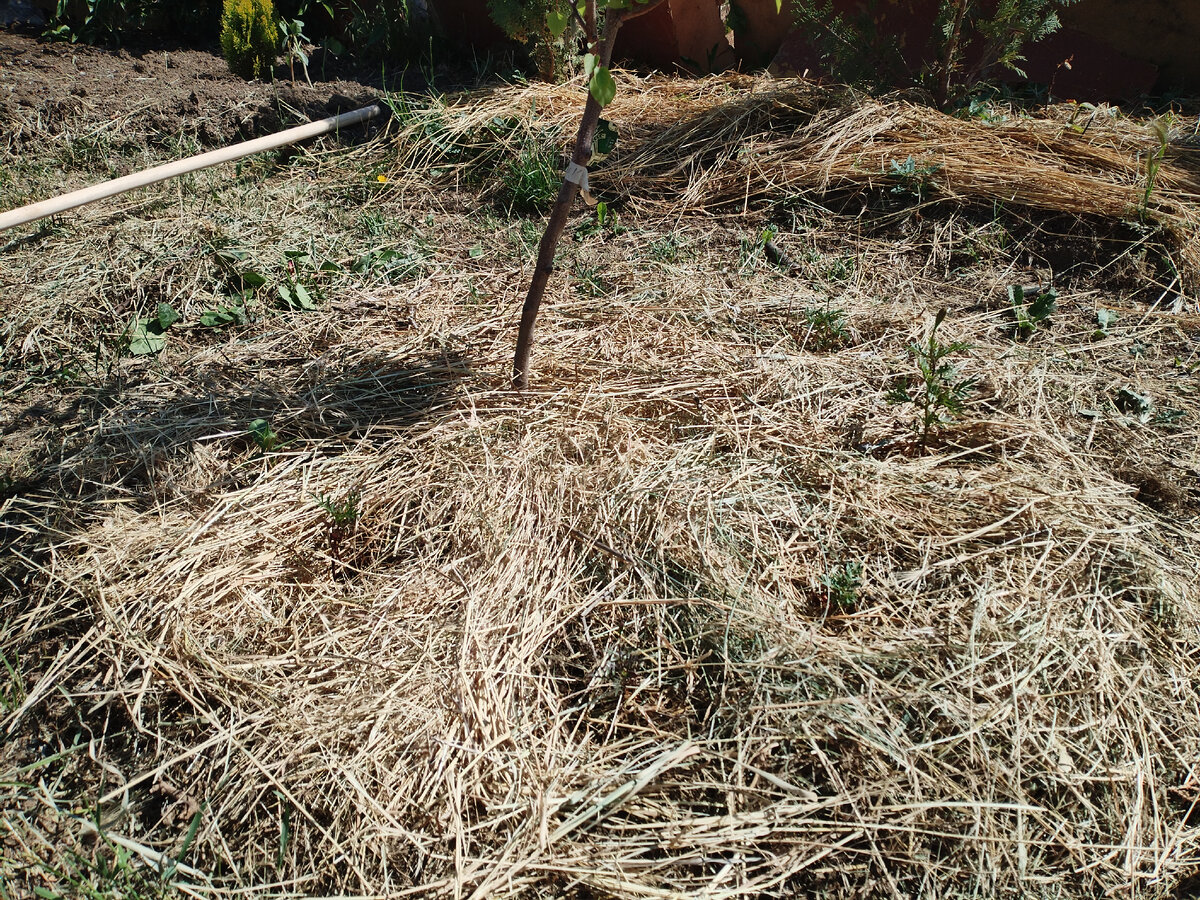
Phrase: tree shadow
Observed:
(124, 440)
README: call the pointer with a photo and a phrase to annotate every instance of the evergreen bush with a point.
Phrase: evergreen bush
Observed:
(249, 37)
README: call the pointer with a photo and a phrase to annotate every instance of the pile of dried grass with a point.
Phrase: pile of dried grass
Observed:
(726, 143)
(606, 638)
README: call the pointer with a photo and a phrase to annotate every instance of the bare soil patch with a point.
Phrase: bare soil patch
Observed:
(158, 93)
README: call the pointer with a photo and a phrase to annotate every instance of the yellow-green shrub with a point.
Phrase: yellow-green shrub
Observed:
(249, 36)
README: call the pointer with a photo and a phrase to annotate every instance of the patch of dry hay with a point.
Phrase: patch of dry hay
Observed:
(589, 641)
(725, 143)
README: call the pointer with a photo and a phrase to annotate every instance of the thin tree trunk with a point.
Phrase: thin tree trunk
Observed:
(544, 268)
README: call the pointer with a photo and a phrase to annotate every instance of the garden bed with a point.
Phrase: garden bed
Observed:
(300, 599)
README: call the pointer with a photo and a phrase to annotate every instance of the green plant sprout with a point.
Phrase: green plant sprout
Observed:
(751, 251)
(1036, 311)
(1105, 319)
(605, 220)
(341, 521)
(342, 513)
(940, 394)
(294, 39)
(264, 435)
(913, 180)
(841, 585)
(826, 326)
(225, 314)
(149, 335)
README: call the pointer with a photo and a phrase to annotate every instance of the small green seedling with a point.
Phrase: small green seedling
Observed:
(826, 326)
(841, 585)
(667, 248)
(341, 521)
(753, 251)
(393, 265)
(606, 220)
(1034, 312)
(940, 394)
(233, 313)
(913, 180)
(1136, 405)
(343, 513)
(295, 296)
(592, 281)
(149, 335)
(264, 435)
(1105, 319)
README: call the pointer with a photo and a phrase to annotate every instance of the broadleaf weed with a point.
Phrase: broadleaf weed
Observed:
(939, 394)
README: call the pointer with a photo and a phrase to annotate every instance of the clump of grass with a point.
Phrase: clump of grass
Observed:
(530, 182)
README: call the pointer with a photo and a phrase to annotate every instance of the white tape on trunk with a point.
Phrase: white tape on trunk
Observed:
(576, 174)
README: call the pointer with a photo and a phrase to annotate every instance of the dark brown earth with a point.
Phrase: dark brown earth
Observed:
(158, 92)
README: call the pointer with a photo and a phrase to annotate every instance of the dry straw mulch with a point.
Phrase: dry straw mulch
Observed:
(602, 639)
(731, 142)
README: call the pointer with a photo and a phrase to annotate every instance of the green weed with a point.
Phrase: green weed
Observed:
(393, 264)
(841, 268)
(604, 222)
(666, 249)
(149, 335)
(591, 280)
(939, 394)
(751, 252)
(263, 434)
(14, 690)
(841, 585)
(1031, 314)
(342, 513)
(226, 314)
(912, 180)
(826, 327)
(341, 522)
(1105, 319)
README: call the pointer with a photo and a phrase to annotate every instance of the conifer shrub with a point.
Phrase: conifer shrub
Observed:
(249, 37)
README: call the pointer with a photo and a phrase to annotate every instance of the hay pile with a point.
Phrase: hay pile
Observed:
(695, 616)
(735, 141)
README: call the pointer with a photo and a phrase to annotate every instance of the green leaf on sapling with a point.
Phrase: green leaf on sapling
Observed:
(557, 21)
(602, 86)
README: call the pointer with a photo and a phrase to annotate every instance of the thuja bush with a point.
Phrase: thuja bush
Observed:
(249, 37)
(971, 39)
